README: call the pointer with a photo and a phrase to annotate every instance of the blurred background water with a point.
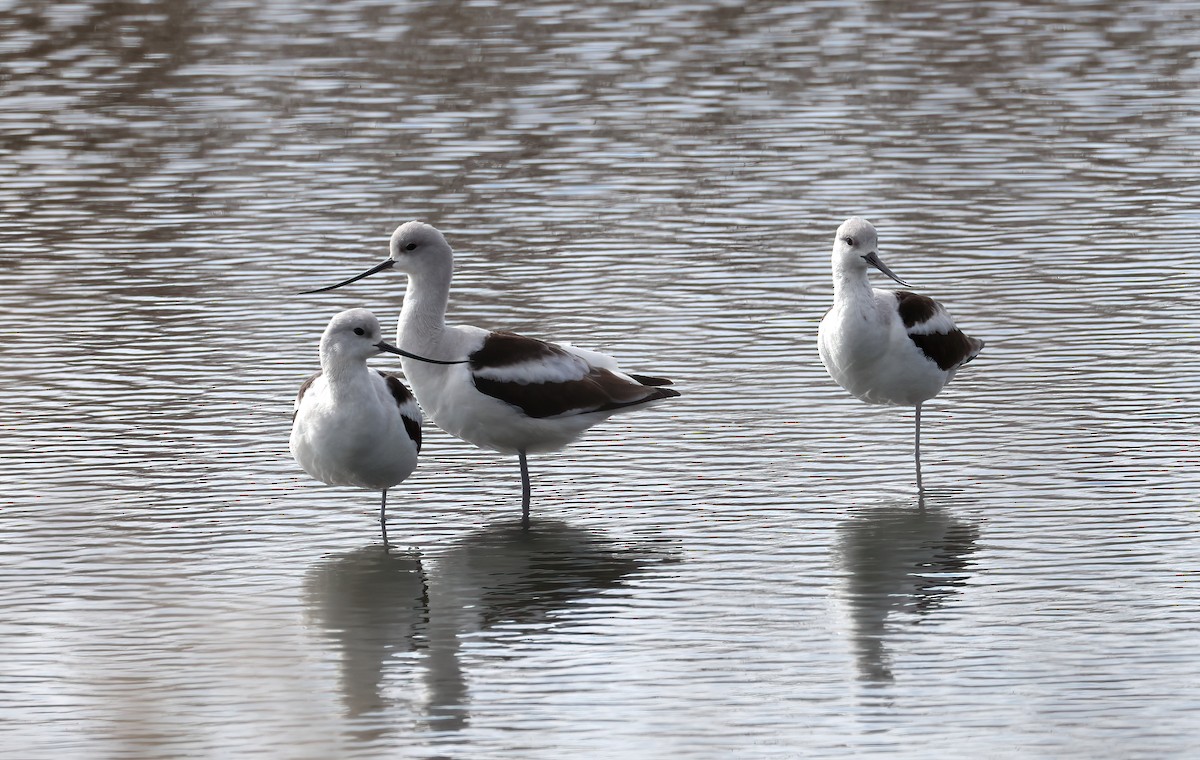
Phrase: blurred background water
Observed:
(743, 572)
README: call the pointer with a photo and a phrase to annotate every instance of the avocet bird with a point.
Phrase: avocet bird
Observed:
(885, 346)
(354, 426)
(515, 395)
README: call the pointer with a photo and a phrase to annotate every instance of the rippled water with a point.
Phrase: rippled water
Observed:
(743, 572)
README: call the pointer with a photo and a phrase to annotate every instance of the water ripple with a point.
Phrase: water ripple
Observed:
(744, 571)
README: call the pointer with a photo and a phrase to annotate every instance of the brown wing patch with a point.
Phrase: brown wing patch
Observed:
(504, 349)
(398, 389)
(647, 380)
(403, 395)
(303, 388)
(947, 350)
(915, 308)
(599, 391)
(413, 428)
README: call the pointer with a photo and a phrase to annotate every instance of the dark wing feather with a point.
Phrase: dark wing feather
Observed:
(507, 349)
(600, 391)
(930, 327)
(404, 397)
(915, 308)
(596, 389)
(947, 350)
(647, 380)
(303, 387)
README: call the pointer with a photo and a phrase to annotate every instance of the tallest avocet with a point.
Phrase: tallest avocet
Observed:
(886, 346)
(512, 394)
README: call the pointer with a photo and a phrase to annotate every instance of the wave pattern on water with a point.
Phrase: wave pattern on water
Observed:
(743, 571)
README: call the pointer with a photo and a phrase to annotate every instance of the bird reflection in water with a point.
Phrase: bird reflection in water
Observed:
(375, 606)
(902, 559)
(378, 607)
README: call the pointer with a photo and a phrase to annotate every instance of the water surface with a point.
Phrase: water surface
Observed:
(743, 572)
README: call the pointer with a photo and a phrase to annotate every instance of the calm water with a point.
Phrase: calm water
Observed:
(741, 573)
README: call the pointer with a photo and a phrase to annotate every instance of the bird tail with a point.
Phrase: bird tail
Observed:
(976, 347)
(652, 381)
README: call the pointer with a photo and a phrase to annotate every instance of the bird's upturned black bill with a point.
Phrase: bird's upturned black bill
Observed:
(871, 258)
(386, 264)
(385, 346)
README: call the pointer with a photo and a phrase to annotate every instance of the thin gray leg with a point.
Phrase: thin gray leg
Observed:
(524, 490)
(917, 450)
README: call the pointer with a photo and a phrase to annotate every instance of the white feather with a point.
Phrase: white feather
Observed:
(558, 368)
(940, 322)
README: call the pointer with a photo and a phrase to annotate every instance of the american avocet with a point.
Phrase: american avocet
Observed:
(886, 346)
(517, 395)
(353, 426)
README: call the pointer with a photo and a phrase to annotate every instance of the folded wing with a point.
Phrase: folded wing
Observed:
(546, 380)
(931, 328)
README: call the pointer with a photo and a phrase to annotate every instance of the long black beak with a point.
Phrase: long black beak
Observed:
(385, 346)
(871, 258)
(387, 264)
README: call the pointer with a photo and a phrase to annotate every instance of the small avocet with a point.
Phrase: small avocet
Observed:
(886, 346)
(354, 426)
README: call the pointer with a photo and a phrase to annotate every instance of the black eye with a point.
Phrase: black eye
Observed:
(410, 247)
(848, 241)
(359, 331)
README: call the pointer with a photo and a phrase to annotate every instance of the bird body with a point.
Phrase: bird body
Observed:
(517, 393)
(345, 434)
(877, 348)
(354, 426)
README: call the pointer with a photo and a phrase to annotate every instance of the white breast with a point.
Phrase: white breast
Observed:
(867, 351)
(359, 440)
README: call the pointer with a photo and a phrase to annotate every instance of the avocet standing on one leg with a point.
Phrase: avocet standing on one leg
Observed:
(354, 426)
(886, 346)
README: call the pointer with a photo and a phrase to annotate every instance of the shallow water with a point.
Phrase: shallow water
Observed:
(743, 572)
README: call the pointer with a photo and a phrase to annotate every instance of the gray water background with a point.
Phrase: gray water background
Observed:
(742, 572)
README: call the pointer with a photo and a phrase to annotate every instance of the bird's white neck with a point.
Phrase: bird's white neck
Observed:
(851, 282)
(423, 317)
(342, 375)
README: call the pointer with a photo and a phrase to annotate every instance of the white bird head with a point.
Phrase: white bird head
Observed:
(856, 246)
(414, 246)
(352, 335)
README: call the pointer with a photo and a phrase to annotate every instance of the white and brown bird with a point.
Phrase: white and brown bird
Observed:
(886, 346)
(354, 426)
(514, 394)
